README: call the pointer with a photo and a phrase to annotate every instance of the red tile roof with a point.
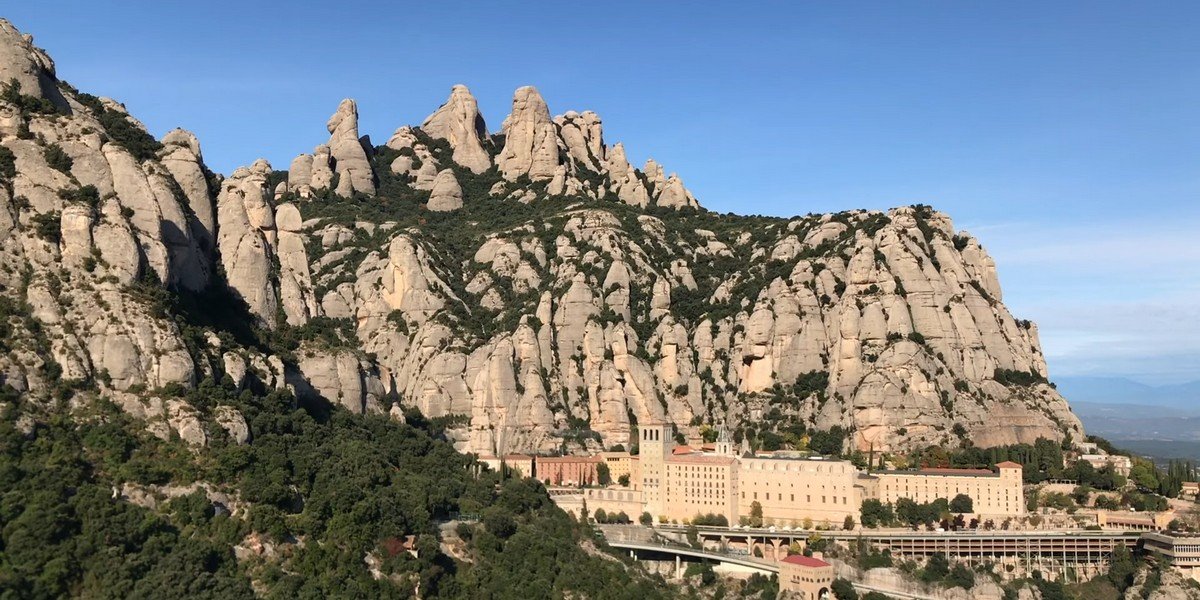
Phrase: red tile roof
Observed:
(946, 471)
(677, 450)
(805, 561)
(1008, 464)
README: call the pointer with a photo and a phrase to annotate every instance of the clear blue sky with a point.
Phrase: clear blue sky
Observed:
(1065, 134)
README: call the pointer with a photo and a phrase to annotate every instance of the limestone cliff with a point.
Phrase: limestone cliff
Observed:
(530, 286)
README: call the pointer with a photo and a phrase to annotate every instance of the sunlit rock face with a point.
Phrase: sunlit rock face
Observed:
(531, 285)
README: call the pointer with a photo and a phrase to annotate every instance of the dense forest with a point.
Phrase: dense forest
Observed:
(323, 491)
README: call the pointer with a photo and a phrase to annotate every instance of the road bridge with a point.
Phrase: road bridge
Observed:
(664, 551)
(1080, 552)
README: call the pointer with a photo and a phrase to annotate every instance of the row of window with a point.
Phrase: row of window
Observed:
(792, 485)
(792, 498)
(787, 466)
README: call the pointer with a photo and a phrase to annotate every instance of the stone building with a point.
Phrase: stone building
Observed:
(791, 490)
(520, 465)
(805, 578)
(701, 484)
(1121, 465)
(1182, 551)
(567, 470)
(1190, 488)
(1134, 521)
(621, 464)
(679, 483)
(993, 493)
(655, 445)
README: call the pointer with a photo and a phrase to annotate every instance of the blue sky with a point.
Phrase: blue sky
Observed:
(1066, 135)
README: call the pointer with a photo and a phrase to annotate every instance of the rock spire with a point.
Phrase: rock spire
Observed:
(458, 121)
(350, 159)
(530, 138)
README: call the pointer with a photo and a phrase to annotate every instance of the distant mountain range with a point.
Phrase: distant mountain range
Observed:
(1157, 421)
(1120, 390)
(1136, 421)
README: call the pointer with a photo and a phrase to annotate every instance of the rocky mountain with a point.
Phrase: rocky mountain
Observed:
(529, 287)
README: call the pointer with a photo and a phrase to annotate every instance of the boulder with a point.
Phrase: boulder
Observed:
(446, 194)
(233, 423)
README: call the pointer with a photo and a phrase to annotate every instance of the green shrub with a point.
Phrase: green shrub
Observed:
(28, 105)
(8, 164)
(962, 503)
(48, 226)
(57, 158)
(86, 195)
(121, 130)
(1011, 378)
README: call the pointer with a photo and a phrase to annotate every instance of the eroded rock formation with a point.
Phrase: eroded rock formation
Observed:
(534, 286)
(458, 122)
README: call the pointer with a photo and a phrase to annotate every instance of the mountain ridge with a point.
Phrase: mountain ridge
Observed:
(530, 287)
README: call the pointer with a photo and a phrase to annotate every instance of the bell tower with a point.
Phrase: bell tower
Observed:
(725, 443)
(655, 444)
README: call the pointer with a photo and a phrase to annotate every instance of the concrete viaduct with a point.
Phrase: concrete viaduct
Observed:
(1058, 553)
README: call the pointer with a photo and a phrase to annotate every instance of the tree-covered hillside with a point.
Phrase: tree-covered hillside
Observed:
(320, 505)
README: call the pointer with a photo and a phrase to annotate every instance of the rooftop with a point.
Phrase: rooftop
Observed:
(949, 471)
(806, 561)
(698, 458)
(567, 459)
(797, 456)
(941, 472)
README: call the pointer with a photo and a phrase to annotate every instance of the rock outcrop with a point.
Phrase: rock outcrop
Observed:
(349, 158)
(341, 165)
(27, 65)
(530, 138)
(552, 306)
(446, 194)
(458, 121)
(181, 156)
(246, 236)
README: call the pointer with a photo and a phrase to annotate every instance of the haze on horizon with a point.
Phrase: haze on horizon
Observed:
(1065, 136)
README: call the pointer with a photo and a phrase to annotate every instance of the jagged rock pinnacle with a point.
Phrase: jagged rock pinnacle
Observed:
(350, 160)
(530, 142)
(458, 121)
